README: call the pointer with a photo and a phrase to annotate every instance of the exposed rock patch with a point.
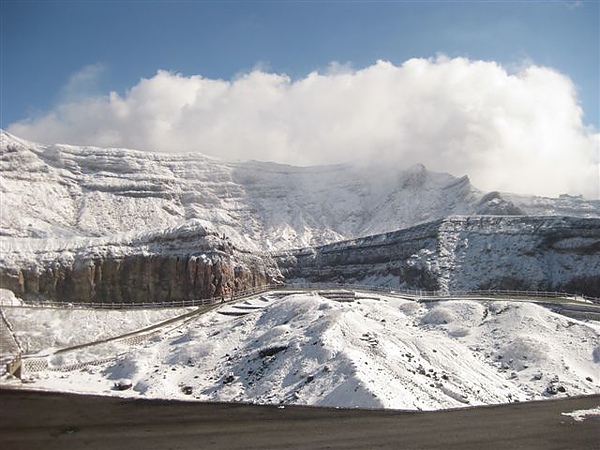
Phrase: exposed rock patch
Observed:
(160, 268)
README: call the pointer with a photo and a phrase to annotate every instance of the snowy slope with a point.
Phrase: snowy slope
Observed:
(64, 191)
(46, 329)
(373, 352)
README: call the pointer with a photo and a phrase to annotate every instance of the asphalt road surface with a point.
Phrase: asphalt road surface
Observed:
(38, 420)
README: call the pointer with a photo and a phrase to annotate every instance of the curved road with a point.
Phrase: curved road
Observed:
(38, 420)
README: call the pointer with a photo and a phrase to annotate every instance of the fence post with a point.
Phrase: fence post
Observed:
(15, 367)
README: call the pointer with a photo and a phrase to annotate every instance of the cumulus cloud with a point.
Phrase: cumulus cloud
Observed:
(513, 131)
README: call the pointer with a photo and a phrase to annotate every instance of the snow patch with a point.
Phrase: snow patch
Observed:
(582, 414)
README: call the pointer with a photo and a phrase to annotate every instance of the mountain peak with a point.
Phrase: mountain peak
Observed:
(66, 191)
(9, 141)
(416, 168)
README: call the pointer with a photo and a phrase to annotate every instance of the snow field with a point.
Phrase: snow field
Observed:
(583, 414)
(306, 349)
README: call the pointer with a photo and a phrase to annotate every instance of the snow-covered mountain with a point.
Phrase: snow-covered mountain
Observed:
(64, 191)
(82, 224)
(91, 224)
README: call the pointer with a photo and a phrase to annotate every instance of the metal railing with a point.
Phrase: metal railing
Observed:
(148, 305)
(31, 364)
(421, 293)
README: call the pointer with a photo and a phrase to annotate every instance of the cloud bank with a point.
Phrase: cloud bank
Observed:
(518, 132)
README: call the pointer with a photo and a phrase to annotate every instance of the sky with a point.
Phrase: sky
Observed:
(506, 92)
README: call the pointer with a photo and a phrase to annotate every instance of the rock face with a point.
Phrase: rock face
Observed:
(159, 268)
(463, 253)
(454, 254)
(136, 279)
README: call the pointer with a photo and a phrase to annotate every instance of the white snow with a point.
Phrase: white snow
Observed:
(8, 298)
(63, 191)
(42, 330)
(374, 352)
(378, 351)
(583, 414)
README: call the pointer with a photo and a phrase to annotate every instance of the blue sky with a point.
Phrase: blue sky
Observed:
(509, 84)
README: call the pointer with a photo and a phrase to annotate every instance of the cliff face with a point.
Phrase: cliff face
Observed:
(157, 268)
(463, 253)
(193, 261)
(378, 257)
(136, 279)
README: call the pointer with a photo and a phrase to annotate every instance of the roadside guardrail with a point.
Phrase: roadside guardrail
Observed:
(420, 293)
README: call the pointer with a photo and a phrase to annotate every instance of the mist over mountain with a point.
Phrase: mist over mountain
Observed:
(63, 191)
(510, 129)
(85, 225)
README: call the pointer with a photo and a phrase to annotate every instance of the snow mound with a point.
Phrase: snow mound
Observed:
(379, 352)
(525, 351)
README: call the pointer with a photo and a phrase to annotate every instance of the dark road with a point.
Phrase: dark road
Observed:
(37, 420)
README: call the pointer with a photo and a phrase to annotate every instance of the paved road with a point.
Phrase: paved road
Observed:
(37, 420)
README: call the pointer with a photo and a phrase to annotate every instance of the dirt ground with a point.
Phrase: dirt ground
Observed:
(37, 420)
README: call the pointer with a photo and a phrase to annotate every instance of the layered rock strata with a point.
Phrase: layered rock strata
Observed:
(164, 267)
(461, 254)
(61, 191)
(194, 261)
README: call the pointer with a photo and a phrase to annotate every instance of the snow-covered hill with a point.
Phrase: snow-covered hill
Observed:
(65, 191)
(307, 349)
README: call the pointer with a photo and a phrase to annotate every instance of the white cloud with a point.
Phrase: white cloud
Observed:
(83, 83)
(514, 131)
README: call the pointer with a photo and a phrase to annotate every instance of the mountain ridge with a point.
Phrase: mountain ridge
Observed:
(63, 191)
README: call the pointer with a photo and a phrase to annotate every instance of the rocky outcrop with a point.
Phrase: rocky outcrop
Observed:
(463, 253)
(157, 268)
(137, 279)
(376, 257)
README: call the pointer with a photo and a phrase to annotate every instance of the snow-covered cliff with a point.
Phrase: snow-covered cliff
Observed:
(182, 263)
(63, 191)
(463, 253)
